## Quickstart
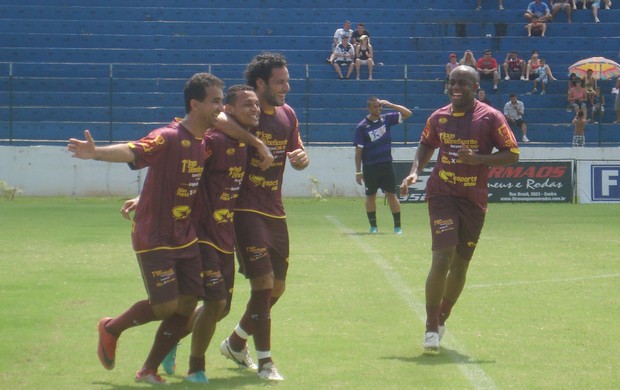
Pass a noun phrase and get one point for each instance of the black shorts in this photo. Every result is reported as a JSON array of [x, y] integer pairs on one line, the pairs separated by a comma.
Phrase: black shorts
[[379, 176]]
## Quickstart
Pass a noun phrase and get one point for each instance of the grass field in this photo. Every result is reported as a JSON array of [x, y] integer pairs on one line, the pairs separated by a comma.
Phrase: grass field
[[540, 309]]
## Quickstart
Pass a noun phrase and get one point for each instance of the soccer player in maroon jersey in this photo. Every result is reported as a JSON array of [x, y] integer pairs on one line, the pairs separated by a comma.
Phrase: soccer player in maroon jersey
[[212, 216], [260, 219], [466, 132], [163, 236]]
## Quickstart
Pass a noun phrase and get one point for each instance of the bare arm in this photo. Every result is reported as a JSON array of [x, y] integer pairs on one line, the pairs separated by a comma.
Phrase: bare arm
[[86, 150], [298, 159], [404, 111], [129, 206], [501, 157], [230, 127], [358, 165], [422, 156]]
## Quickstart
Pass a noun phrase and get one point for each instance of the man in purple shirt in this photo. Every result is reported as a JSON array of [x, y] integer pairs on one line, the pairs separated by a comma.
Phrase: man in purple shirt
[[466, 133], [373, 158]]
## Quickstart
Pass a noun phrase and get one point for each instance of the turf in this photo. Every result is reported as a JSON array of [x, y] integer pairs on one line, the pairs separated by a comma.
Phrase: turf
[[539, 311]]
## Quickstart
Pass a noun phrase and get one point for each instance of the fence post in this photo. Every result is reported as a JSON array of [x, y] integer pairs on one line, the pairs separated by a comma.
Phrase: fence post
[[10, 103], [111, 102]]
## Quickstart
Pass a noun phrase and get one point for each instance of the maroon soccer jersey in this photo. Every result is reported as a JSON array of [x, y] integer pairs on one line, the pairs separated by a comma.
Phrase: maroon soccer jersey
[[218, 191], [175, 160], [261, 190], [481, 129]]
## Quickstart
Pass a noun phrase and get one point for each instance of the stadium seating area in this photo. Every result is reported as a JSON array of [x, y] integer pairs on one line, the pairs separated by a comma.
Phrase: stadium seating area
[[118, 68]]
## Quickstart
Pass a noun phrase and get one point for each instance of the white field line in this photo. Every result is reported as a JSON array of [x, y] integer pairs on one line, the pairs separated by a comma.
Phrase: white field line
[[469, 368], [543, 281]]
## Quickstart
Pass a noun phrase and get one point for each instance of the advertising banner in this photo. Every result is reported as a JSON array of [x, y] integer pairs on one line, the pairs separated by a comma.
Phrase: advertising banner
[[526, 181], [598, 181]]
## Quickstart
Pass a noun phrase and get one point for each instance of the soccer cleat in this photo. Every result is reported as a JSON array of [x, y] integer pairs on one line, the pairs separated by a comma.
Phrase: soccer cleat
[[169, 364], [242, 358], [269, 372], [398, 231], [525, 139], [441, 331], [197, 377], [431, 342], [106, 350], [374, 230], [150, 376], [507, 78]]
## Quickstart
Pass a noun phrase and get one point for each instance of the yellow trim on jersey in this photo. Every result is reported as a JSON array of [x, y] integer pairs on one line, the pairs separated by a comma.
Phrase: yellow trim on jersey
[[515, 150], [261, 213], [215, 246], [169, 248]]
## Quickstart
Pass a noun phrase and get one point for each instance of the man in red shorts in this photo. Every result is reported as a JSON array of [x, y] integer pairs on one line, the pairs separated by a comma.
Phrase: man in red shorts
[[260, 219], [163, 236], [465, 131]]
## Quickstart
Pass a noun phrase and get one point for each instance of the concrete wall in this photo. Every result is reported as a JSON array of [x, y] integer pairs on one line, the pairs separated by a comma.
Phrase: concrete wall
[[50, 170]]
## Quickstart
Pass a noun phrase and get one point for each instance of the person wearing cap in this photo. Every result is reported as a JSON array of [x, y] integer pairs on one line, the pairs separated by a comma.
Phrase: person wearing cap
[[345, 29], [453, 63], [344, 55], [487, 68]]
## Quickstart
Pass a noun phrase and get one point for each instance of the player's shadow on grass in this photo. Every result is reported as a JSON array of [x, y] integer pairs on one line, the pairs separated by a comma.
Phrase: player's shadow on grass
[[445, 356], [238, 378]]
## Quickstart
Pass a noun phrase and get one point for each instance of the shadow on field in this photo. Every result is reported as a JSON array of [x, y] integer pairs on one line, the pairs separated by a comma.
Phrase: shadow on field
[[241, 379], [445, 356]]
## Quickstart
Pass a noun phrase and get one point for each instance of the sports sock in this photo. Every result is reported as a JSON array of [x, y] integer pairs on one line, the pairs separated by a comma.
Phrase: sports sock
[[396, 217], [259, 308], [372, 218], [196, 364], [432, 318], [239, 337], [139, 314], [166, 337], [444, 310], [273, 301]]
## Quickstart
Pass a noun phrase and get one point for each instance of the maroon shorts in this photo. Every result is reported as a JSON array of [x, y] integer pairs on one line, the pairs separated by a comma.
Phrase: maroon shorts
[[455, 221], [218, 274], [262, 245], [170, 273]]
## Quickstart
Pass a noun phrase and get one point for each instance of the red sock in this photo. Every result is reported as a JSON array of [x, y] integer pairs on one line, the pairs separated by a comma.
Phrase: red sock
[[167, 336], [139, 314], [444, 310], [432, 318]]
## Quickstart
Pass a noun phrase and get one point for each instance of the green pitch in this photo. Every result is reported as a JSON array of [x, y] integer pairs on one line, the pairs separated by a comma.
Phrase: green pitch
[[540, 309]]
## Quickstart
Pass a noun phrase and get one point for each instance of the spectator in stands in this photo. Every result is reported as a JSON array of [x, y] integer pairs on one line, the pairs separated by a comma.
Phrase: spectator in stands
[[357, 34], [449, 67], [540, 9], [363, 56], [616, 91], [513, 111], [482, 97], [532, 64], [544, 75], [501, 5], [572, 79], [344, 55], [579, 137], [536, 28], [558, 5], [345, 29], [589, 83], [595, 7], [487, 68], [577, 98], [581, 3], [597, 105], [468, 59], [514, 67]]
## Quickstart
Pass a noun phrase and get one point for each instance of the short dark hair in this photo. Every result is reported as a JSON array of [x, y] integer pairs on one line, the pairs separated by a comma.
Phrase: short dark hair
[[196, 88], [262, 65], [512, 95], [231, 94]]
